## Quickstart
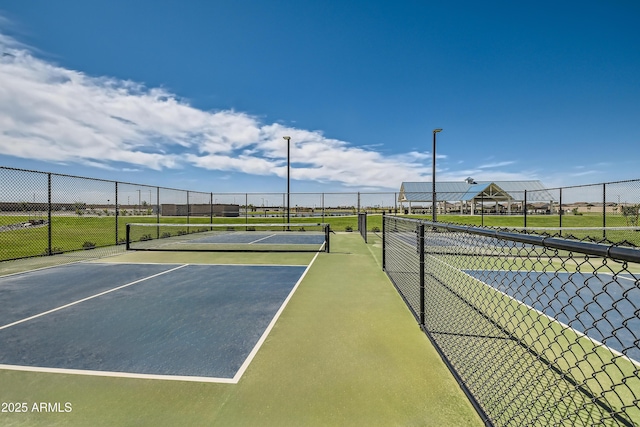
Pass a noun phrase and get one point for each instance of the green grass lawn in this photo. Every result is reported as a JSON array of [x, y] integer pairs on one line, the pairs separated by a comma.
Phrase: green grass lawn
[[568, 220], [550, 221], [72, 233]]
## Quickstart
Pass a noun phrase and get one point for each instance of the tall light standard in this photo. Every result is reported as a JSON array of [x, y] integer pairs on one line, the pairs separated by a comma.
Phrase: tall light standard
[[288, 138], [433, 178]]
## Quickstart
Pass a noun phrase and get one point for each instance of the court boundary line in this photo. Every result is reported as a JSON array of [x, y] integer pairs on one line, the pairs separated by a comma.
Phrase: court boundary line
[[267, 331], [551, 318], [195, 240], [263, 238], [62, 264], [200, 263], [41, 268], [62, 307], [56, 265], [114, 374]]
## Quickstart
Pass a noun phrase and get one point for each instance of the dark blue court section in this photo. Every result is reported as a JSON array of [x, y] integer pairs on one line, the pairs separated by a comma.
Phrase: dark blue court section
[[199, 320], [293, 239], [600, 306], [231, 238], [264, 239], [27, 294]]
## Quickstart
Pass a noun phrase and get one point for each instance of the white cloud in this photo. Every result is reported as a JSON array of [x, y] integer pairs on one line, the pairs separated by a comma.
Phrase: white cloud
[[54, 114], [496, 165], [583, 173]]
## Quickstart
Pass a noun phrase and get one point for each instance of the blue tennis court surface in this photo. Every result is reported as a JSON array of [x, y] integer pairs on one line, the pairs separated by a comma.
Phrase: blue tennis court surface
[[593, 304], [264, 239], [200, 321]]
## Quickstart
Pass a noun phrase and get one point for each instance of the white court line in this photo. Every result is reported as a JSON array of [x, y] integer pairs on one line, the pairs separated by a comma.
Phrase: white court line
[[264, 238], [205, 264], [46, 267], [631, 279], [88, 298], [247, 362], [234, 380], [117, 374], [549, 317], [97, 259]]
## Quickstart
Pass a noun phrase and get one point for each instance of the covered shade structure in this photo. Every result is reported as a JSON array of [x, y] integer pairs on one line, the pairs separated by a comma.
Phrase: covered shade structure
[[469, 197]]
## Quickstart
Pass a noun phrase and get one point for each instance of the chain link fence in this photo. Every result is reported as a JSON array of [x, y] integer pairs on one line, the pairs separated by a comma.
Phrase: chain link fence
[[537, 330], [46, 213]]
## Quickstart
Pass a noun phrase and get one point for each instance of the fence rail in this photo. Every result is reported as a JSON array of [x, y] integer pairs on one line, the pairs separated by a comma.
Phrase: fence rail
[[538, 330]]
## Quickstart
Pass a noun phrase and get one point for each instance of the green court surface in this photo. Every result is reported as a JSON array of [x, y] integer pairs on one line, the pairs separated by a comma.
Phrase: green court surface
[[345, 351]]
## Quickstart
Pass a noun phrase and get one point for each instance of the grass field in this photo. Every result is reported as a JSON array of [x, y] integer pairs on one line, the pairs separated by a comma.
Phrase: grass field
[[72, 232], [552, 221]]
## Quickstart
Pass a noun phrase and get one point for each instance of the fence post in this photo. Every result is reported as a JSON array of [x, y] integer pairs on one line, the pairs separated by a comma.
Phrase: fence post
[[116, 183], [525, 208], [158, 205], [604, 210], [421, 274], [560, 212], [395, 203], [49, 207], [158, 211], [211, 208], [128, 236], [384, 252]]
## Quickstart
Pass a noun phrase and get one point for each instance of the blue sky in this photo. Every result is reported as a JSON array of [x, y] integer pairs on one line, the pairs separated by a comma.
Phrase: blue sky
[[198, 94]]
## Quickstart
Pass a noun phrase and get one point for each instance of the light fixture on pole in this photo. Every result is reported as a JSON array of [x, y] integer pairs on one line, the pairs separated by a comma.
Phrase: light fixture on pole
[[288, 138], [433, 178]]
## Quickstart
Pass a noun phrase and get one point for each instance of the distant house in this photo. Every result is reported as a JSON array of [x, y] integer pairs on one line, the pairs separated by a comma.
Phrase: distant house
[[470, 197]]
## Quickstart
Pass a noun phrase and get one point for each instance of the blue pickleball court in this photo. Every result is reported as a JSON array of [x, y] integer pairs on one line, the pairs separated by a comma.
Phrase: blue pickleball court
[[178, 321], [594, 304]]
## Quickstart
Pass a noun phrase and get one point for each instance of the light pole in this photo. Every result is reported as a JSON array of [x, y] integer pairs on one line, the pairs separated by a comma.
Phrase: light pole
[[433, 178], [288, 138]]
